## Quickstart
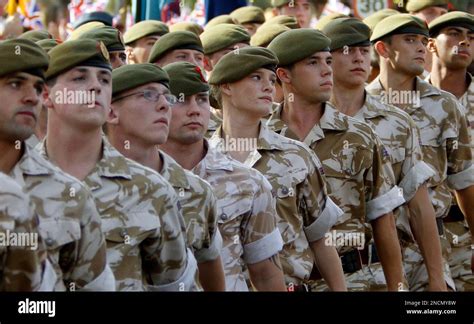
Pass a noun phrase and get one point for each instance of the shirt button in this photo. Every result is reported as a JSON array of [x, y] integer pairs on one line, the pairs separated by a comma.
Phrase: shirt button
[[284, 190], [49, 241], [224, 216]]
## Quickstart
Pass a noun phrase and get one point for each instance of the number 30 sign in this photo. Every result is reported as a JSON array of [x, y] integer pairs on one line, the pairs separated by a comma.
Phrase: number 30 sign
[[364, 8]]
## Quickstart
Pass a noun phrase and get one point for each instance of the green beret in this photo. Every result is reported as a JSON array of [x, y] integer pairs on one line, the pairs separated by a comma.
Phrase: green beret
[[279, 3], [145, 28], [222, 19], [288, 21], [327, 19], [85, 28], [186, 79], [187, 26], [24, 56], [453, 18], [399, 24], [36, 35], [222, 36], [47, 44], [347, 32], [266, 33], [173, 41], [374, 18], [234, 66], [417, 5], [110, 36], [248, 14], [297, 44], [132, 76], [79, 52]]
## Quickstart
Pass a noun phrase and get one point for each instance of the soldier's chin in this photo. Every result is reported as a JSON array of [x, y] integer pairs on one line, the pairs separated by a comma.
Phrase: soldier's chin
[[418, 70], [17, 133]]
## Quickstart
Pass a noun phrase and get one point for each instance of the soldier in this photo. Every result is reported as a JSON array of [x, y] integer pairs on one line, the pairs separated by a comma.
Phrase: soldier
[[68, 218], [451, 42], [301, 9], [218, 41], [113, 40], [140, 38], [350, 50], [427, 10], [245, 205], [141, 111], [221, 19], [21, 266], [400, 41], [371, 21], [266, 34], [42, 116], [36, 35], [359, 176], [187, 26], [177, 47], [250, 17], [141, 220], [243, 83], [285, 20]]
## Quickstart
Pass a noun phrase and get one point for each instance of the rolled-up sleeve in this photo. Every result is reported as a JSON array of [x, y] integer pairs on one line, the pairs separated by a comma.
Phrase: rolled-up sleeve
[[384, 203], [263, 248], [325, 221]]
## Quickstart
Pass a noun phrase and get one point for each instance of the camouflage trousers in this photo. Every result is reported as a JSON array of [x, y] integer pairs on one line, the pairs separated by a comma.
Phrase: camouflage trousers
[[458, 250], [414, 269]]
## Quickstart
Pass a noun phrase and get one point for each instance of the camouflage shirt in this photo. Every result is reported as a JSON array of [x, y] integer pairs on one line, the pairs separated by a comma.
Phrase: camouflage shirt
[[305, 212], [199, 208], [246, 215], [20, 260], [214, 122], [69, 223], [142, 223], [467, 100], [357, 169], [445, 143], [400, 135]]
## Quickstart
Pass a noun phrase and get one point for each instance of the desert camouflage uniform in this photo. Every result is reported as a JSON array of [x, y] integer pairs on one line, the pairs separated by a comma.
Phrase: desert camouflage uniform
[[69, 224], [142, 223], [20, 266], [459, 258], [359, 177], [400, 135], [199, 209], [247, 215], [214, 122], [305, 212], [444, 135]]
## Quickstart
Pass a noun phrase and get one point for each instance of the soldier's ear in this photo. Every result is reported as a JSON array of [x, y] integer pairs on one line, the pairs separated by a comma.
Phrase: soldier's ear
[[47, 98], [226, 89], [130, 54], [207, 63], [431, 46], [382, 49], [284, 75], [114, 115]]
